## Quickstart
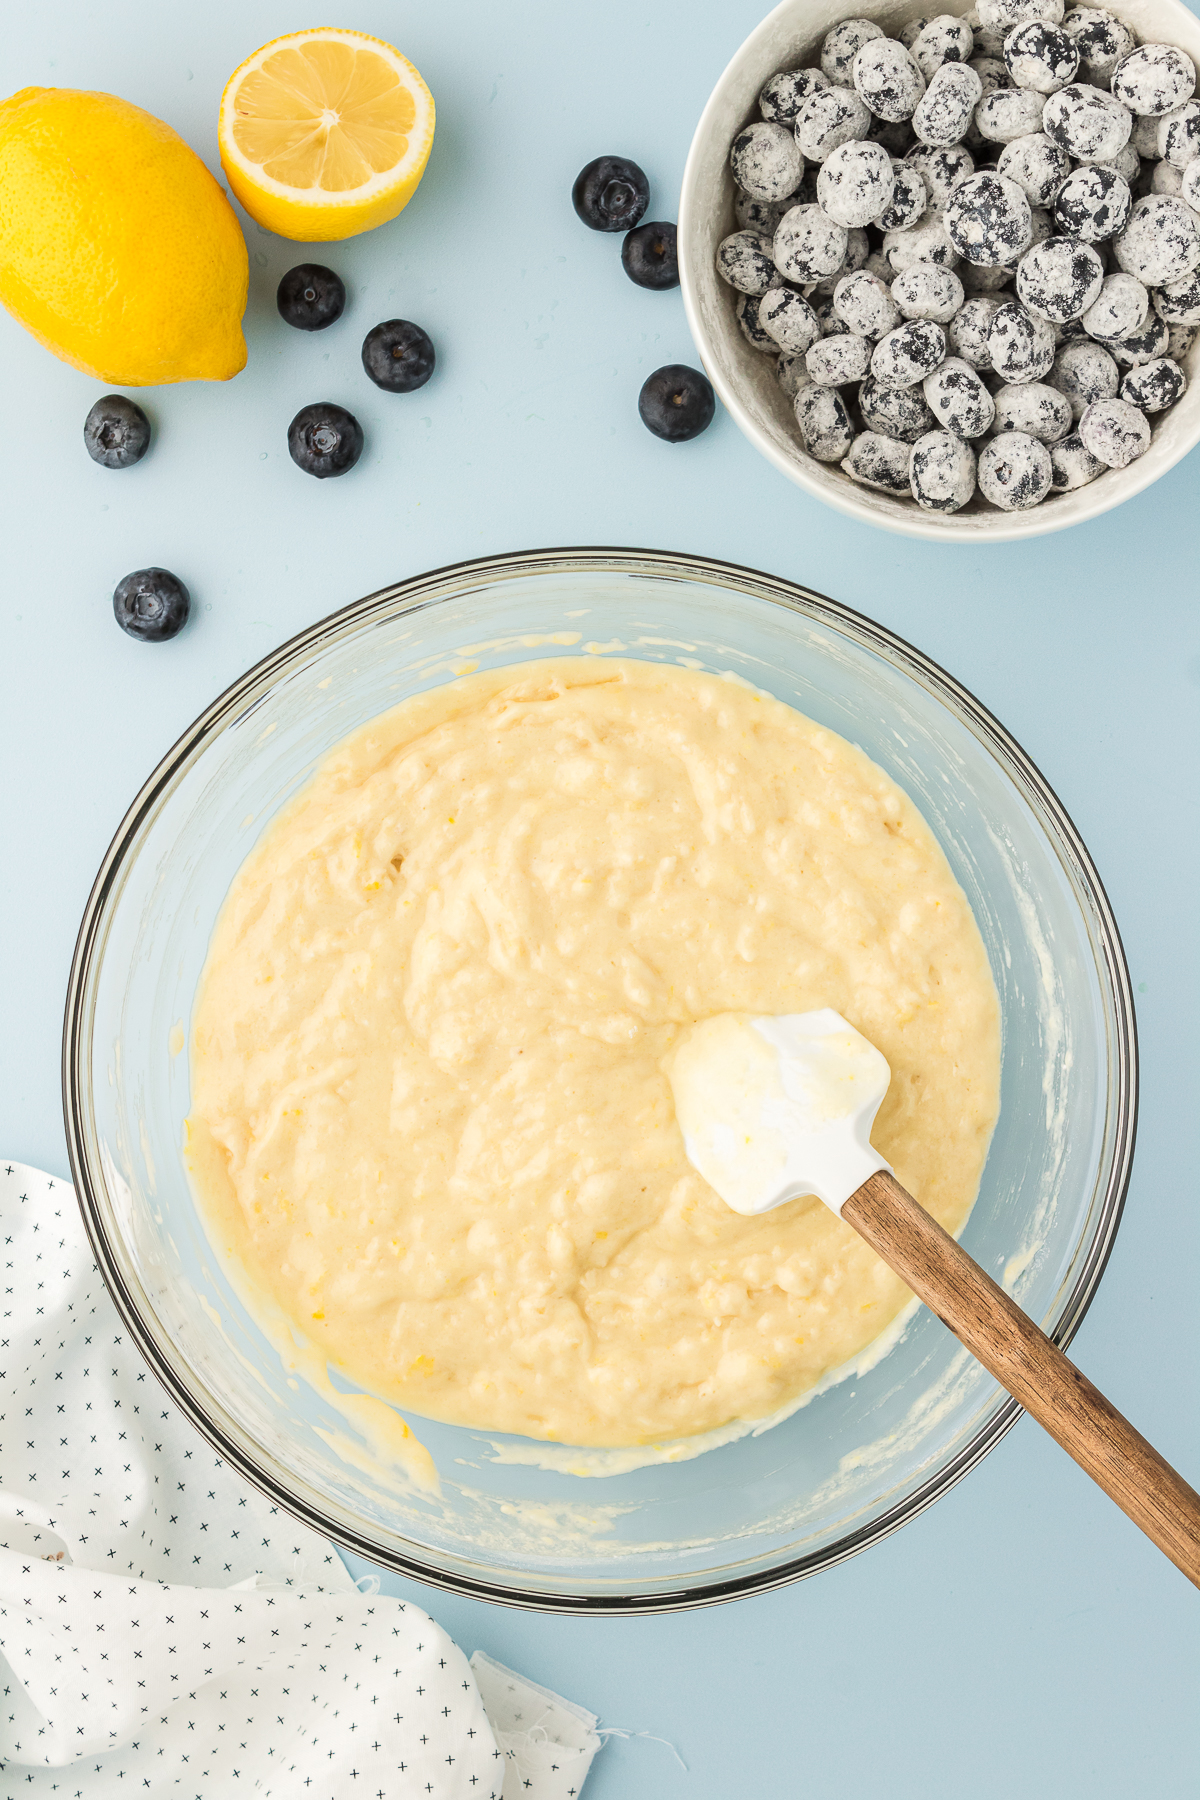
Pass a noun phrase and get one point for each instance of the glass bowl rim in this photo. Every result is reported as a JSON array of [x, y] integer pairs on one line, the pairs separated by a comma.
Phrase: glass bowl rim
[[410, 595]]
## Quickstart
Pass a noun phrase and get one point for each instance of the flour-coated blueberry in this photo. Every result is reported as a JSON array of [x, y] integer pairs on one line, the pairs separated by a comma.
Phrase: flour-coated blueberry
[[785, 315], [1033, 407], [943, 39], [887, 80], [879, 462], [908, 202], [1165, 178], [1189, 187], [1144, 137], [1014, 471], [927, 241], [1037, 164], [941, 472], [946, 107], [1155, 386], [1041, 57], [855, 183], [895, 412], [967, 332], [1180, 339], [1059, 279], [1008, 113], [992, 71], [752, 330], [1154, 79], [927, 292], [744, 260], [1178, 302], [1161, 242], [909, 353], [784, 94], [824, 423], [989, 39], [941, 167], [1179, 134], [865, 305], [1072, 464], [760, 216], [808, 245], [1089, 124], [1003, 15], [1021, 346], [829, 117], [1119, 309], [1126, 163], [837, 361], [1093, 203], [1115, 432], [1084, 372], [791, 372], [766, 161], [1041, 225], [857, 250], [988, 220], [842, 44], [958, 399], [895, 136]]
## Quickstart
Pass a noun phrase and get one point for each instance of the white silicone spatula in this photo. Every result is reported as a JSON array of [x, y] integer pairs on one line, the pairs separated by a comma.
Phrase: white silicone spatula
[[774, 1108]]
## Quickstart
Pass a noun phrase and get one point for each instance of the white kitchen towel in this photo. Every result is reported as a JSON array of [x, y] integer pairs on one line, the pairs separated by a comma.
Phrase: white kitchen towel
[[165, 1630]]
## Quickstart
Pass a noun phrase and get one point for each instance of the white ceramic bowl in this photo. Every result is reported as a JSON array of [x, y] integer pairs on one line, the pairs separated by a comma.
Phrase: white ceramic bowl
[[744, 378]]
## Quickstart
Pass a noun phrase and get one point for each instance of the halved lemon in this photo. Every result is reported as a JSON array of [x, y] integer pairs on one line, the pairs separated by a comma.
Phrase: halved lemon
[[325, 133]]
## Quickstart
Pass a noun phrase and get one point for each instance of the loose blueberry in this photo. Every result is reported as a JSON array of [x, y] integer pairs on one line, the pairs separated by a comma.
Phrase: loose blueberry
[[649, 257], [116, 432], [151, 605], [398, 356], [325, 439], [310, 297], [611, 194], [676, 403]]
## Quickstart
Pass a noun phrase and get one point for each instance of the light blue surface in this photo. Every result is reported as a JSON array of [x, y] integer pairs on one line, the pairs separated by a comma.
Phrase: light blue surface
[[1021, 1637]]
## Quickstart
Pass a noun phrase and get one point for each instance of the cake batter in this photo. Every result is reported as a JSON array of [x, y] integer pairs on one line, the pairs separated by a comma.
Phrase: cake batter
[[429, 1111]]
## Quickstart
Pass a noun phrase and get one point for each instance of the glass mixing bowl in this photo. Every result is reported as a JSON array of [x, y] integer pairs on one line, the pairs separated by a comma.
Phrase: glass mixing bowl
[[863, 1455]]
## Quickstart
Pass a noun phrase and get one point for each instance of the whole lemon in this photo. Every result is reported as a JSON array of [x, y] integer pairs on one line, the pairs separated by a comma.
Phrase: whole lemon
[[118, 250]]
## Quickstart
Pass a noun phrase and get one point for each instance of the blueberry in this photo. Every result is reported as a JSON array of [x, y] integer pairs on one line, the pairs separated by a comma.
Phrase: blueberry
[[648, 256], [611, 194], [151, 605], [676, 403], [310, 297], [116, 432], [324, 439], [398, 356]]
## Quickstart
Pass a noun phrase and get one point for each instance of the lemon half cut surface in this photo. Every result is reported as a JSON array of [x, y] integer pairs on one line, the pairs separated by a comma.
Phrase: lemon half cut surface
[[325, 133]]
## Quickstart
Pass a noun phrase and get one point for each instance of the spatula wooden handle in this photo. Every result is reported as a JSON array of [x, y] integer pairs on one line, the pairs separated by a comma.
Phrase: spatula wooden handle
[[1022, 1358]]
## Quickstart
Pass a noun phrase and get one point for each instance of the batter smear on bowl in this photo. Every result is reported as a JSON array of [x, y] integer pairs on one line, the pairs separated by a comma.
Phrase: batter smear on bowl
[[429, 1109]]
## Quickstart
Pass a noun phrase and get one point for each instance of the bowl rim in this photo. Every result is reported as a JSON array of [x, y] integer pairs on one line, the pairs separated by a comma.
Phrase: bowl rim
[[412, 594], [854, 500]]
